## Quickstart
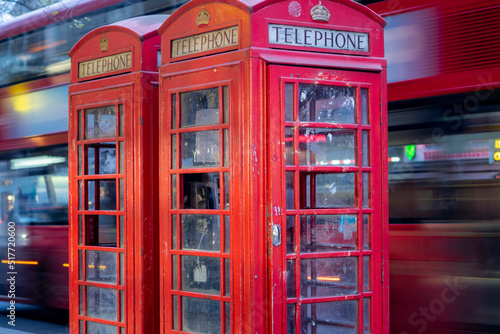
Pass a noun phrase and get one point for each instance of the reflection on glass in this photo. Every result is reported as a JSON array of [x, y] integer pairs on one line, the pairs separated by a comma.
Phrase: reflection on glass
[[201, 274], [290, 278], [326, 277], [201, 232], [101, 303], [327, 104], [289, 102], [174, 151], [80, 299], [226, 190], [79, 124], [80, 230], [174, 231], [174, 272], [327, 147], [100, 230], [174, 191], [227, 277], [331, 317], [201, 191], [122, 229], [80, 164], [101, 158], [329, 190], [122, 306], [122, 193], [200, 149], [200, 107], [122, 154], [328, 233], [100, 266], [226, 148], [228, 318], [289, 146], [100, 122], [101, 195], [226, 235], [201, 315]]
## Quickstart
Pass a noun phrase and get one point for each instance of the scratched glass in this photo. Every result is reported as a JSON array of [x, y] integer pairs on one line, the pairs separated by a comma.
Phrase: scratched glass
[[201, 315], [327, 104], [102, 303], [100, 230], [100, 266], [200, 107], [330, 317], [101, 158], [201, 274], [100, 122], [94, 327], [329, 190], [327, 147], [200, 149], [328, 233]]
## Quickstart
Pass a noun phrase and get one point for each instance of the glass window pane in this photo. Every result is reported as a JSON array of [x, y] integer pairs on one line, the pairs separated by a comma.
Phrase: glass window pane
[[101, 266], [366, 316], [200, 149], [326, 277], [201, 191], [174, 151], [228, 317], [174, 191], [174, 272], [330, 190], [174, 111], [290, 311], [327, 104], [122, 306], [366, 274], [174, 313], [122, 193], [80, 265], [100, 230], [225, 92], [122, 154], [366, 232], [332, 317], [226, 192], [201, 274], [80, 124], [94, 327], [227, 235], [201, 232], [122, 268], [366, 149], [226, 148], [364, 106], [100, 122], [290, 234], [101, 303], [201, 315], [290, 190], [366, 190], [227, 277], [80, 299], [121, 125], [327, 147], [80, 230], [80, 161], [328, 233], [174, 231], [289, 146], [290, 278], [289, 102], [101, 195], [122, 229], [200, 107]]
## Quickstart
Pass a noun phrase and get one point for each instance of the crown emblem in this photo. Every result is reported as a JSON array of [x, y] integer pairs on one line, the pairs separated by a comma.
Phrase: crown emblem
[[320, 13], [203, 17], [104, 43]]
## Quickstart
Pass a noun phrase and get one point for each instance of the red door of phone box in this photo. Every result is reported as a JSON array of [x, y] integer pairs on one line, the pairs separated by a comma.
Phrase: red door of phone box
[[113, 181]]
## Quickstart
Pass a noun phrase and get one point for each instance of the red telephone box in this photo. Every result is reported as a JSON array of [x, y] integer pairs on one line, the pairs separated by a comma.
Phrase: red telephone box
[[273, 184], [113, 187]]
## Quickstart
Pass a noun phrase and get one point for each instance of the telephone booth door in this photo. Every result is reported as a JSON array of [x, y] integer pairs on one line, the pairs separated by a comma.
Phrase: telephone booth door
[[200, 258], [323, 186]]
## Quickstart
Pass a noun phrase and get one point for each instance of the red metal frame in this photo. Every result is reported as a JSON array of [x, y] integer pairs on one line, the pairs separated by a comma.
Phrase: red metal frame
[[256, 149]]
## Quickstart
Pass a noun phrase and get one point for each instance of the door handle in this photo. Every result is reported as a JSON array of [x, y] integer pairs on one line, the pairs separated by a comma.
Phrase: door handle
[[276, 235]]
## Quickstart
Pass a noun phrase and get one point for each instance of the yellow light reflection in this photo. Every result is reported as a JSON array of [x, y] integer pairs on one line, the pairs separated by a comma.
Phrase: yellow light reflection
[[33, 263], [65, 264], [100, 267], [326, 279]]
